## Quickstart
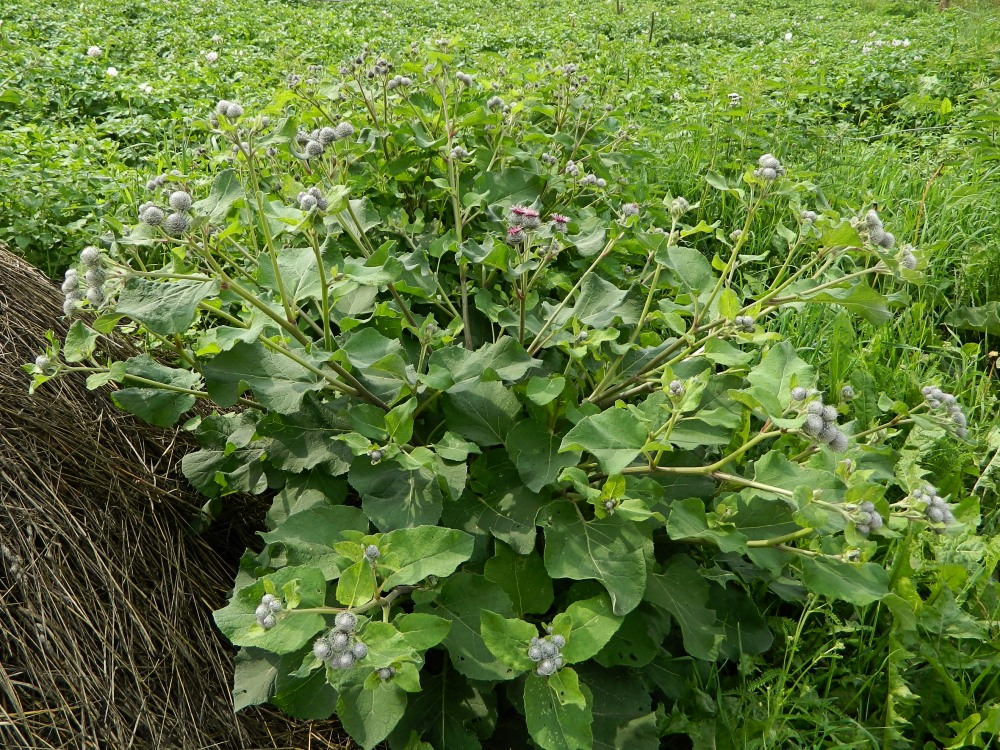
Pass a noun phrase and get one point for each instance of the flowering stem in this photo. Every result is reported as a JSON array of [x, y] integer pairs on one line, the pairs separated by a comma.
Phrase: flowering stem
[[538, 342], [779, 541], [378, 601], [324, 290]]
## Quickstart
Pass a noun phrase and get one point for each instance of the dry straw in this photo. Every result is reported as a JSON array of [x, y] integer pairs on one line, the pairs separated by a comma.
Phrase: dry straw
[[106, 638]]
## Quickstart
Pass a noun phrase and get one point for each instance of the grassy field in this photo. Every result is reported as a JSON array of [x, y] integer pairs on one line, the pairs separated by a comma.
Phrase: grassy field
[[879, 103]]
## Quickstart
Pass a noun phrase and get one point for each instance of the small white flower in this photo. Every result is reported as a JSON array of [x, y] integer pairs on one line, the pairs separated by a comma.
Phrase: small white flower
[[732, 16], [217, 39], [212, 56], [112, 72], [788, 36], [676, 96], [145, 88], [94, 52]]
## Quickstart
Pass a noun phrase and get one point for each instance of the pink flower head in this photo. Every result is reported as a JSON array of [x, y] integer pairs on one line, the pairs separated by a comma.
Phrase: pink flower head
[[515, 234], [559, 222]]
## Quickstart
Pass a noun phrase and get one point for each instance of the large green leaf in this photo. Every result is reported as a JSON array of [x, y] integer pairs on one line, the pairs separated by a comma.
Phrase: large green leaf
[[292, 631], [463, 599], [984, 318], [370, 715], [305, 439], [449, 713], [156, 405], [623, 716], [558, 712], [413, 554], [859, 298], [164, 307], [310, 698], [780, 370], [535, 452], [499, 506], [226, 190], [682, 592], [311, 533], [600, 302], [455, 368], [609, 550], [277, 382], [484, 413], [394, 498], [615, 437], [857, 583], [587, 626], [523, 577], [508, 640]]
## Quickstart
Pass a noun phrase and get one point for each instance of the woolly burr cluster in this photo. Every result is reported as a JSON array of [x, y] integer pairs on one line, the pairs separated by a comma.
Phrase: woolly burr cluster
[[821, 424], [744, 323], [340, 648], [877, 233], [546, 653], [938, 400], [769, 168], [312, 198], [265, 613], [229, 110], [868, 519], [937, 511]]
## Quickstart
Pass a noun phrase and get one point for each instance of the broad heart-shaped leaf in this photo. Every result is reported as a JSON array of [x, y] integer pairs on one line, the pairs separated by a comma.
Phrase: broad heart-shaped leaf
[[311, 533], [690, 270], [497, 505], [456, 369], [379, 362], [780, 370], [535, 452], [156, 405], [688, 520], [416, 553], [587, 626], [299, 273], [163, 307], [523, 577], [508, 640], [394, 498], [857, 583], [254, 674], [215, 473], [556, 718], [682, 592], [984, 318], [449, 713], [859, 298], [311, 698], [600, 302], [623, 715], [276, 381], [609, 550], [386, 645], [356, 585], [226, 190], [615, 437], [422, 631], [484, 413], [462, 600], [305, 439], [292, 631], [79, 342], [370, 715], [746, 631]]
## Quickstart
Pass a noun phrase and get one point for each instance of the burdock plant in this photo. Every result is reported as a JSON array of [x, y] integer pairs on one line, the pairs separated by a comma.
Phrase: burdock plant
[[488, 394]]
